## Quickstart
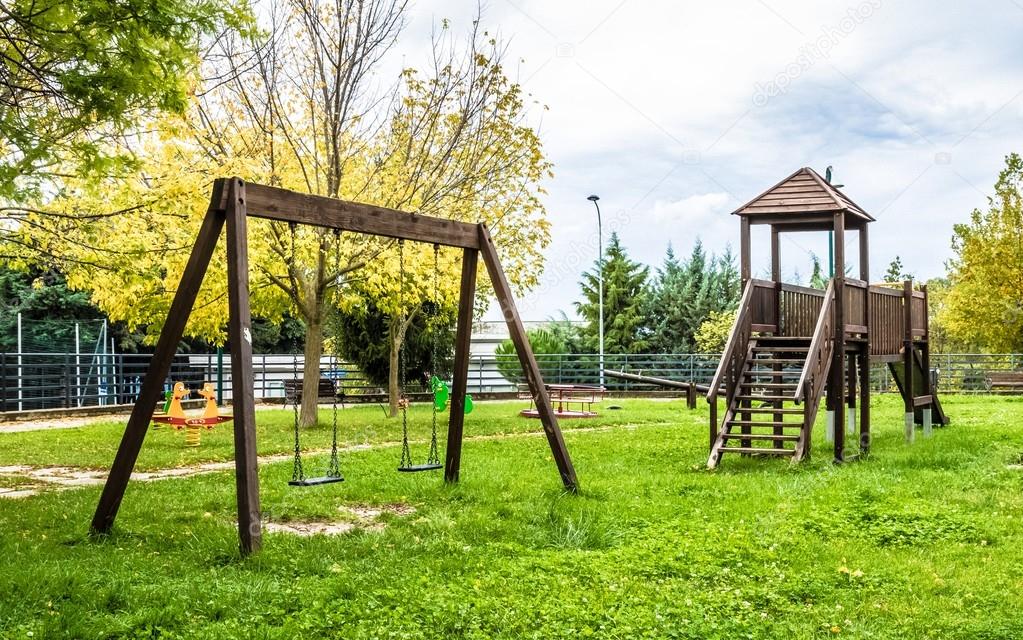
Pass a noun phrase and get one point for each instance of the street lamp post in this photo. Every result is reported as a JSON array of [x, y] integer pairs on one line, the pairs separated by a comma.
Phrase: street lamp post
[[600, 285]]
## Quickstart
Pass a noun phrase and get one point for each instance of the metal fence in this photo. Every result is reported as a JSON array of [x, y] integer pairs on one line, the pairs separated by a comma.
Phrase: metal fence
[[48, 380]]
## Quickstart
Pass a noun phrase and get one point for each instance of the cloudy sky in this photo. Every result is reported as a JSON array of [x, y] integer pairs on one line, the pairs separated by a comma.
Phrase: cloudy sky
[[676, 113]]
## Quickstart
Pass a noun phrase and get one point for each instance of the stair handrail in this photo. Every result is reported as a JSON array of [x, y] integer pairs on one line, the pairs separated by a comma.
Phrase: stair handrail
[[735, 348], [818, 359]]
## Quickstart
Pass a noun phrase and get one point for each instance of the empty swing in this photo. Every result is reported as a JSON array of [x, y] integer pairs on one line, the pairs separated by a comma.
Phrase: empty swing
[[298, 477], [433, 458]]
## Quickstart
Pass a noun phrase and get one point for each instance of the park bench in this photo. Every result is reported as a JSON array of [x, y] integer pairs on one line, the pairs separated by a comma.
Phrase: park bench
[[325, 390], [1005, 382]]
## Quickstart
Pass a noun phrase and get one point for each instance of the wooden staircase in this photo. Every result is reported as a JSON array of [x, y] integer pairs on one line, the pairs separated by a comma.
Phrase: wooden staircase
[[763, 417], [773, 386]]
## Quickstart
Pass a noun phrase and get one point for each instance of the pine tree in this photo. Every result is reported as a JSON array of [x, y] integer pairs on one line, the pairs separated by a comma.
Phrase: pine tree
[[624, 297], [896, 272]]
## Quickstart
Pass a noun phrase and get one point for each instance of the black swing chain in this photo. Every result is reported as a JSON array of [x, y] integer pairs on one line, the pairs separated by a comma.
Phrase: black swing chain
[[406, 455], [334, 470], [434, 457], [297, 472]]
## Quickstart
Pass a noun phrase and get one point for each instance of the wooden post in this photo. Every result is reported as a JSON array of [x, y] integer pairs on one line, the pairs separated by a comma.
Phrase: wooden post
[[745, 264], [838, 398], [159, 366], [865, 400], [239, 332], [907, 359], [528, 361], [865, 352], [463, 336]]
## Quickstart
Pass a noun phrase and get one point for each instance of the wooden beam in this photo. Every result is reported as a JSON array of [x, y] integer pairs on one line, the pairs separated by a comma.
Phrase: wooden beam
[[159, 366], [528, 361], [463, 337], [775, 255], [838, 361], [239, 332], [745, 269], [302, 208]]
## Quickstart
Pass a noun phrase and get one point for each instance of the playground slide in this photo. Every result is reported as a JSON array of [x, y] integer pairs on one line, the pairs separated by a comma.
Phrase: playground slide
[[921, 387]]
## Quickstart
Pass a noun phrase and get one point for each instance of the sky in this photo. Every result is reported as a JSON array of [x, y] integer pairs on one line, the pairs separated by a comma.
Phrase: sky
[[677, 113]]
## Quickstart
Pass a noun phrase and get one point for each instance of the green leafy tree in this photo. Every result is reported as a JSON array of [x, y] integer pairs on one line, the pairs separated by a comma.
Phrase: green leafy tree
[[76, 74], [685, 294], [624, 298], [713, 333], [984, 305], [361, 333], [542, 341], [896, 272]]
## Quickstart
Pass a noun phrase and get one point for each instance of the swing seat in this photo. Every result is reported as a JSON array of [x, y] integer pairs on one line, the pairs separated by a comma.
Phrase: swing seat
[[318, 480], [415, 468]]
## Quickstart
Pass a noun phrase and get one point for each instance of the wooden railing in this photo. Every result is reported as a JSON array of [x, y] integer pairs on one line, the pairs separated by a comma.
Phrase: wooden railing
[[855, 299], [754, 314], [800, 307], [888, 317], [764, 306], [818, 358]]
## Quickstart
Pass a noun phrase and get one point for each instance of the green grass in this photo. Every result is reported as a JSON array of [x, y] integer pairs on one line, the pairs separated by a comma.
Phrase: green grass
[[920, 541], [94, 446]]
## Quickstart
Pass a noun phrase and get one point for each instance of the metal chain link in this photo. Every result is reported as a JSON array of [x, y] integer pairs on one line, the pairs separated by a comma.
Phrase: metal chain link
[[406, 455], [297, 473], [334, 469], [434, 457]]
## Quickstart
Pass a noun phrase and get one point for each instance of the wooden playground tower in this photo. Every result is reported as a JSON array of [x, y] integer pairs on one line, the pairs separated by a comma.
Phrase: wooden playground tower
[[791, 345]]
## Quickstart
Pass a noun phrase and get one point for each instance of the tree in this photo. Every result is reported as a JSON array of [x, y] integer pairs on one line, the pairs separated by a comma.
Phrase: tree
[[76, 74], [896, 272], [984, 304], [362, 335], [624, 296], [684, 295], [302, 109], [713, 334], [542, 341]]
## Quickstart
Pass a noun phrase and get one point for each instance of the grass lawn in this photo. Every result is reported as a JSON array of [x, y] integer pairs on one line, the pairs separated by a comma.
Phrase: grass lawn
[[920, 541]]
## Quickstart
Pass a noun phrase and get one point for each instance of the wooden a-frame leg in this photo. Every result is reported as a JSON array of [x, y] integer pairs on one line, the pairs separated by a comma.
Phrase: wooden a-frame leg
[[239, 331], [463, 336], [528, 361], [159, 366]]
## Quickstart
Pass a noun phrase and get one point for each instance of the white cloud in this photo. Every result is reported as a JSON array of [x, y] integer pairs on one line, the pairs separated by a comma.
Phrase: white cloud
[[652, 107], [695, 209]]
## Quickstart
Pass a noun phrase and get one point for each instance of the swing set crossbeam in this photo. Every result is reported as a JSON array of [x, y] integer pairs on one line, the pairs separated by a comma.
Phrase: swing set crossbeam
[[231, 204]]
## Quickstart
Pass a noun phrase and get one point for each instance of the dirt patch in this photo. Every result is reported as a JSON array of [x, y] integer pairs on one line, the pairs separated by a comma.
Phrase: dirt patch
[[367, 518]]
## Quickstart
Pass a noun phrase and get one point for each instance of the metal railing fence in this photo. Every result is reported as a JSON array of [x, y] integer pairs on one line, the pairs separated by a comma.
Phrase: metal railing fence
[[60, 380]]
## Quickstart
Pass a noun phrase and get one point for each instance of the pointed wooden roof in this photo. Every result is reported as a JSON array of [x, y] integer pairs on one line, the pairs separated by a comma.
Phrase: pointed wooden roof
[[803, 194]]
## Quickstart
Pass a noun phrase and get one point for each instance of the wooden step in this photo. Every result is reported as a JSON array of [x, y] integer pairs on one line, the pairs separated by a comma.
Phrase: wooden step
[[790, 437], [792, 349], [763, 423], [766, 361], [771, 410], [770, 374], [769, 385], [806, 339], [766, 451], [766, 398]]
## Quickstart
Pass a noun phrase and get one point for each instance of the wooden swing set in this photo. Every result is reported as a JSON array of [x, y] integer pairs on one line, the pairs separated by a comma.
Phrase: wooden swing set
[[232, 203]]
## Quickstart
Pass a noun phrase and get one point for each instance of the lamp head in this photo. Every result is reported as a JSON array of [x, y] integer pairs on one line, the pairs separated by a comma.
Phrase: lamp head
[[593, 198]]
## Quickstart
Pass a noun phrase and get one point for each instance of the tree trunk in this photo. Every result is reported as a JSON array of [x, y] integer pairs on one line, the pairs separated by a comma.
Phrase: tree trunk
[[392, 375], [311, 372]]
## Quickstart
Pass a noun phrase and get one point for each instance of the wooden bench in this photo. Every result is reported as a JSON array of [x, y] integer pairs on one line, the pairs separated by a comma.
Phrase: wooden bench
[[325, 390], [1005, 381]]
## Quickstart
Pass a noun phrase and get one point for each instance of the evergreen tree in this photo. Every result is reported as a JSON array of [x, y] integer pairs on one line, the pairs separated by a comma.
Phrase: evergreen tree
[[624, 296], [896, 272], [684, 295]]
